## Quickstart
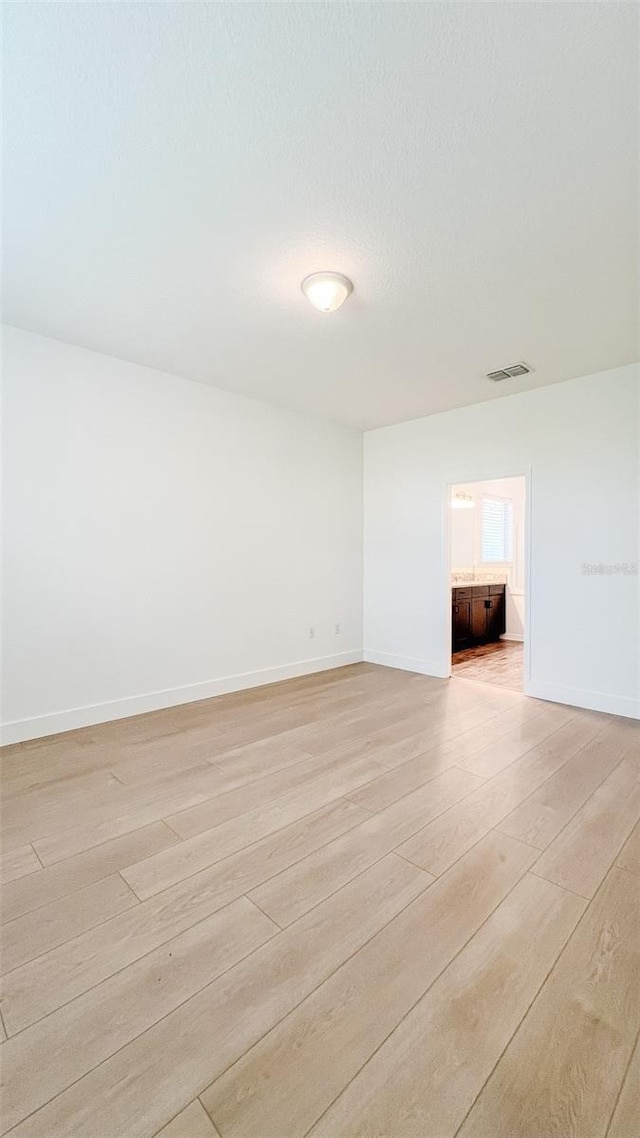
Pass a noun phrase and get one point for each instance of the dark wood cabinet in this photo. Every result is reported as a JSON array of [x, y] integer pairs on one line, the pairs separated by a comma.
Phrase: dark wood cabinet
[[496, 617], [478, 614], [462, 623], [479, 619]]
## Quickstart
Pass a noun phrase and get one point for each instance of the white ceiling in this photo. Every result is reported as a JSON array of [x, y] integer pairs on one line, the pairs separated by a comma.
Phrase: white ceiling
[[174, 169]]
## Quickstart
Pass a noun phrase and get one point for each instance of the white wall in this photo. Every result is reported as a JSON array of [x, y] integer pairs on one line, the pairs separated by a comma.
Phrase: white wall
[[579, 441], [164, 538], [166, 541], [463, 536]]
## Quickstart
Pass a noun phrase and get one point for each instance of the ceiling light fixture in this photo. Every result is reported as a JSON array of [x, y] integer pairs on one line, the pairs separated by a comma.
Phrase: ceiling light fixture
[[326, 291]]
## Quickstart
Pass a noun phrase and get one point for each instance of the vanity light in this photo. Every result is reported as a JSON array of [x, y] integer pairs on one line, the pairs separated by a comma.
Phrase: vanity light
[[461, 501], [326, 291]]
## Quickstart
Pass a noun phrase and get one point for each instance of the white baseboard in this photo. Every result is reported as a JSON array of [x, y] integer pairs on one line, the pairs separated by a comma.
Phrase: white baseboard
[[512, 636], [591, 700], [405, 663], [554, 693], [21, 730], [52, 724]]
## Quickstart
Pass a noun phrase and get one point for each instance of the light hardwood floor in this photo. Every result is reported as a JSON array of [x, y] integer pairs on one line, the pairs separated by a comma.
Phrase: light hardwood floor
[[362, 903]]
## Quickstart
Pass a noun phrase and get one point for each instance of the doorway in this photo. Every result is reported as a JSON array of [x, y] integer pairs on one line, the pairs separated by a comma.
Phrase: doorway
[[487, 535]]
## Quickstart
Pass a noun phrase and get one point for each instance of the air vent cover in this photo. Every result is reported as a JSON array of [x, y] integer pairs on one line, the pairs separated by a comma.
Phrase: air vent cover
[[508, 372]]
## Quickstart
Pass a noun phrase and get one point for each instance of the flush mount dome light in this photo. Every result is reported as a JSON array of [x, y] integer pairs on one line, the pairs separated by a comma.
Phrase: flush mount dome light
[[326, 291]]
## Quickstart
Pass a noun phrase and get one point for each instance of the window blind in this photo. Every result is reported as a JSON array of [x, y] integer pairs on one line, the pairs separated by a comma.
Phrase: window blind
[[497, 530]]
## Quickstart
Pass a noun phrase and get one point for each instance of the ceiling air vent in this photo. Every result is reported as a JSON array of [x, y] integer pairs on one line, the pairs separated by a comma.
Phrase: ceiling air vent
[[508, 372]]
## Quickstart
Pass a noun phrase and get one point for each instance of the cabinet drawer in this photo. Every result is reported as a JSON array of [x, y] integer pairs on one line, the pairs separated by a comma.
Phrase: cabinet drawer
[[462, 594], [481, 590], [496, 590]]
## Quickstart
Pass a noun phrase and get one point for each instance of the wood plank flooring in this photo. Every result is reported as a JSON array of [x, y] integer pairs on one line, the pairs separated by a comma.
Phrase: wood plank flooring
[[501, 663], [360, 904]]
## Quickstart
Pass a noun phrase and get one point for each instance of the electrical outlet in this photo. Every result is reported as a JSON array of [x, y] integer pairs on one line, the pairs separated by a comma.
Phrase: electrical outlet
[[312, 632], [337, 628]]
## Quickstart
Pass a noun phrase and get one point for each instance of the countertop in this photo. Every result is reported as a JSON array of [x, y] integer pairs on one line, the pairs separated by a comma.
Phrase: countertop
[[474, 584]]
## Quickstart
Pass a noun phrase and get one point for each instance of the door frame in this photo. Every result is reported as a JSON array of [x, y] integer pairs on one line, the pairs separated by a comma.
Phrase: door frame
[[484, 476]]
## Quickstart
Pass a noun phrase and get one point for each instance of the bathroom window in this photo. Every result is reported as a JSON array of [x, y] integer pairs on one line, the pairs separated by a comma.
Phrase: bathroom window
[[497, 530]]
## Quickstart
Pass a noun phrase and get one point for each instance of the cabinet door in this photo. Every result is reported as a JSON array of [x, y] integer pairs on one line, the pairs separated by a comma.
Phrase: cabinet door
[[461, 624], [479, 613], [496, 617]]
